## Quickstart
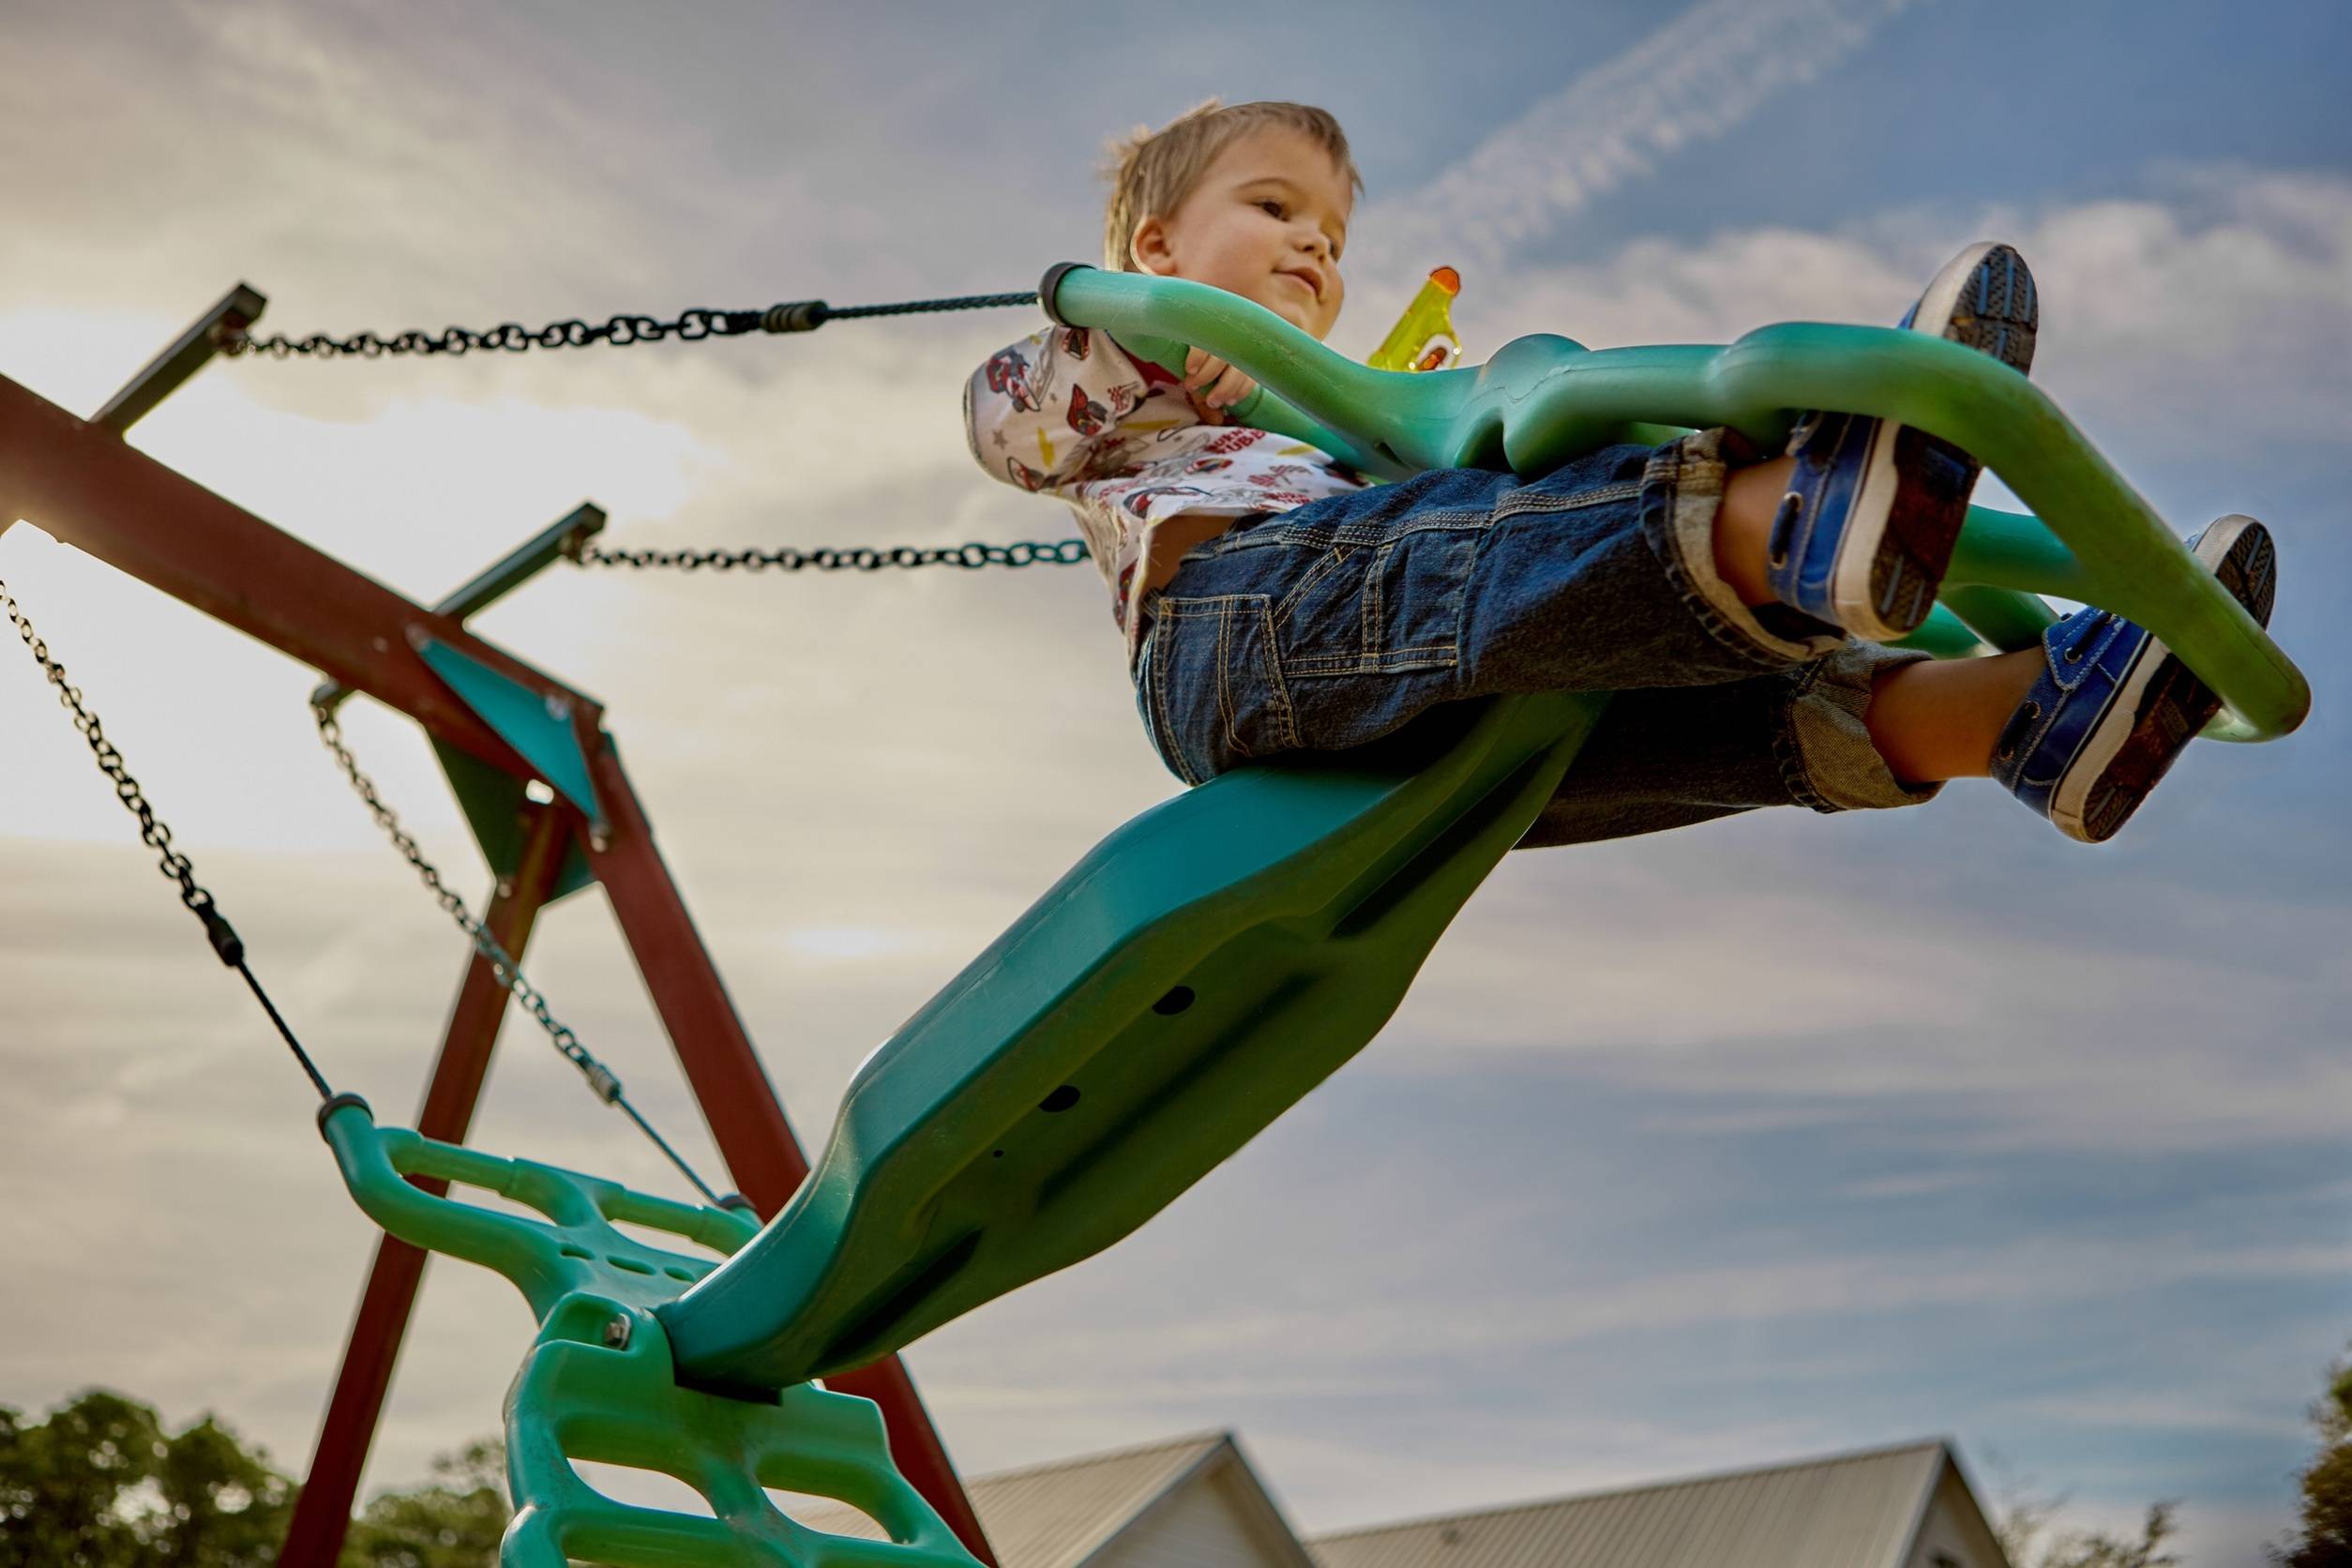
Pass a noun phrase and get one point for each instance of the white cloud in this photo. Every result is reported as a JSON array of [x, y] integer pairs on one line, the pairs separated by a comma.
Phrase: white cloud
[[2194, 322]]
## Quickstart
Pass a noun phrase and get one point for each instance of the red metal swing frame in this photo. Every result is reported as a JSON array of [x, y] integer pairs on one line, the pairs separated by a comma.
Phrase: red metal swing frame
[[80, 482]]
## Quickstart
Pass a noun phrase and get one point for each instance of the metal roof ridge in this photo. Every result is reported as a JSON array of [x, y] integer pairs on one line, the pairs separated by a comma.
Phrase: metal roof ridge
[[1495, 1510], [1109, 1456]]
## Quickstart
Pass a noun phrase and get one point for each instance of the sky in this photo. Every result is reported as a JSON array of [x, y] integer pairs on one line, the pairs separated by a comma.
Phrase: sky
[[1774, 1136]]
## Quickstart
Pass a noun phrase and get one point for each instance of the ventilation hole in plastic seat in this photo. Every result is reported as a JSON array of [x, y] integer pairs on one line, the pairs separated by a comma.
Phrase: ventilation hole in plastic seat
[[827, 1516], [642, 1489]]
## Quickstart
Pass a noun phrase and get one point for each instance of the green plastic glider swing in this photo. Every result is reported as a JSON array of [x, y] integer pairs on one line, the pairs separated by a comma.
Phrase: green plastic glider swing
[[1202, 968]]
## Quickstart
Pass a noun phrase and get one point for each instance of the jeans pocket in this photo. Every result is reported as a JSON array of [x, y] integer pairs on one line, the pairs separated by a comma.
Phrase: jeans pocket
[[1391, 603], [1216, 689]]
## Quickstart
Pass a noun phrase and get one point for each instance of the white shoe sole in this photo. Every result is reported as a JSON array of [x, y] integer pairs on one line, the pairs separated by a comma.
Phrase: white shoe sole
[[1856, 608], [2071, 804]]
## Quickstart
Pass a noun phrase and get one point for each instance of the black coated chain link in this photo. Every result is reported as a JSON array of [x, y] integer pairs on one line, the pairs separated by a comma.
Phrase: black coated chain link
[[175, 865], [502, 967], [691, 327], [1026, 553]]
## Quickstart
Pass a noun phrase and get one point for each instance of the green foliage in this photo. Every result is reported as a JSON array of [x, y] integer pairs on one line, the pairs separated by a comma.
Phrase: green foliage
[[2101, 1550], [2326, 1523], [2025, 1520], [100, 1485], [456, 1522]]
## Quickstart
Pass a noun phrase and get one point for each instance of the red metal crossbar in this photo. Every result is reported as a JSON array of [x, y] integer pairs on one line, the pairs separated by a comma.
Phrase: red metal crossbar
[[80, 483]]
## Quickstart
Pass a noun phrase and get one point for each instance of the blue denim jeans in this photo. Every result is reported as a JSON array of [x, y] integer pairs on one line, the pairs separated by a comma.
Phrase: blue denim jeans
[[1332, 624]]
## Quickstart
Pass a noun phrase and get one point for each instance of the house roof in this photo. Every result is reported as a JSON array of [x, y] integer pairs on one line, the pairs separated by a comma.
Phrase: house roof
[[1057, 1516], [1861, 1510], [1846, 1510]]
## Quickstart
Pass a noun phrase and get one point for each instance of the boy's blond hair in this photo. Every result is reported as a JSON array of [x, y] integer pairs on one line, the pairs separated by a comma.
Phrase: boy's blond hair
[[1151, 172]]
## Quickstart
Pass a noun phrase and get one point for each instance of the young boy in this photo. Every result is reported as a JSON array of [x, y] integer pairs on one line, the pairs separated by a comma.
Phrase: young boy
[[1273, 600]]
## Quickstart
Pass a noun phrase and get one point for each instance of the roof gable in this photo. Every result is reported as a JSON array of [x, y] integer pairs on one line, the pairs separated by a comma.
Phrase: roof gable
[[1057, 1516]]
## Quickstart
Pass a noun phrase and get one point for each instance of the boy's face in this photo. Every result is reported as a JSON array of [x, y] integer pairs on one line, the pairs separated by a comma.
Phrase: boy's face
[[1267, 221]]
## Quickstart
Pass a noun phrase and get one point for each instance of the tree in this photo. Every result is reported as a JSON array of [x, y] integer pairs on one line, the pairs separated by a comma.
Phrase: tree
[[2327, 1524], [100, 1485], [2025, 1517], [456, 1522], [2099, 1550]]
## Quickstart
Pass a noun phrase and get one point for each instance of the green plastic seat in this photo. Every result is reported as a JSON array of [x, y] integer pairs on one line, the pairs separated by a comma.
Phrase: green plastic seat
[[1199, 971]]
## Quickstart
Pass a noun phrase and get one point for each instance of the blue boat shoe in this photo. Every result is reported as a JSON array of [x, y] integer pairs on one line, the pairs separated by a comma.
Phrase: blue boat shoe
[[2114, 707], [1863, 535]]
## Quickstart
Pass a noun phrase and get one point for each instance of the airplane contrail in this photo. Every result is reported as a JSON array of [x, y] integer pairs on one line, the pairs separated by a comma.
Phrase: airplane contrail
[[1691, 81]]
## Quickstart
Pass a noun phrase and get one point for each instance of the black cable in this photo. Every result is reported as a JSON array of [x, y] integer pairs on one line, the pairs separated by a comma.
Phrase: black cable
[[175, 865]]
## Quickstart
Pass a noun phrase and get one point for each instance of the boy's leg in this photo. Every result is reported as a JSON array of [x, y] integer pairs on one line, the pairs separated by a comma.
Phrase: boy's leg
[[2080, 728], [1671, 757], [1621, 587], [1333, 624]]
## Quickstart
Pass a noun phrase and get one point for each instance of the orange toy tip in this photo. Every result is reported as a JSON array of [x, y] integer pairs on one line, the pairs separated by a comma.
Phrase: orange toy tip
[[1447, 279]]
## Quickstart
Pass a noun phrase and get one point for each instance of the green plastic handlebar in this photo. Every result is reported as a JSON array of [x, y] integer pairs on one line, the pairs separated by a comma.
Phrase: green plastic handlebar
[[573, 1248], [1542, 401], [600, 1386]]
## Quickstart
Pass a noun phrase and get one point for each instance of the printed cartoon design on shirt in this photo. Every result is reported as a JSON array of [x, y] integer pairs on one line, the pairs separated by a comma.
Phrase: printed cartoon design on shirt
[[1127, 451], [1137, 504], [1087, 417], [1008, 374]]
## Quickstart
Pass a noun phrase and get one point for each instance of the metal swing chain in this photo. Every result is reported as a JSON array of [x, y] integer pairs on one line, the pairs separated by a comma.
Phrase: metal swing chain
[[175, 865], [691, 327], [502, 967], [1026, 553]]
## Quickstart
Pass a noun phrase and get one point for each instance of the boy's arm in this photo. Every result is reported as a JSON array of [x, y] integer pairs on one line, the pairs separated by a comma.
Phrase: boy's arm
[[1043, 411]]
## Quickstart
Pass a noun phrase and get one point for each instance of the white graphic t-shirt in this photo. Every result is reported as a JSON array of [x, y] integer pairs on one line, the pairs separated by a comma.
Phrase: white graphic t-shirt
[[1068, 412]]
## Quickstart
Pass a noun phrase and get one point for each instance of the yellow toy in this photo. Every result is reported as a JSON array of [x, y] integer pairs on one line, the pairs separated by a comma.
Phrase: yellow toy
[[1423, 338]]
